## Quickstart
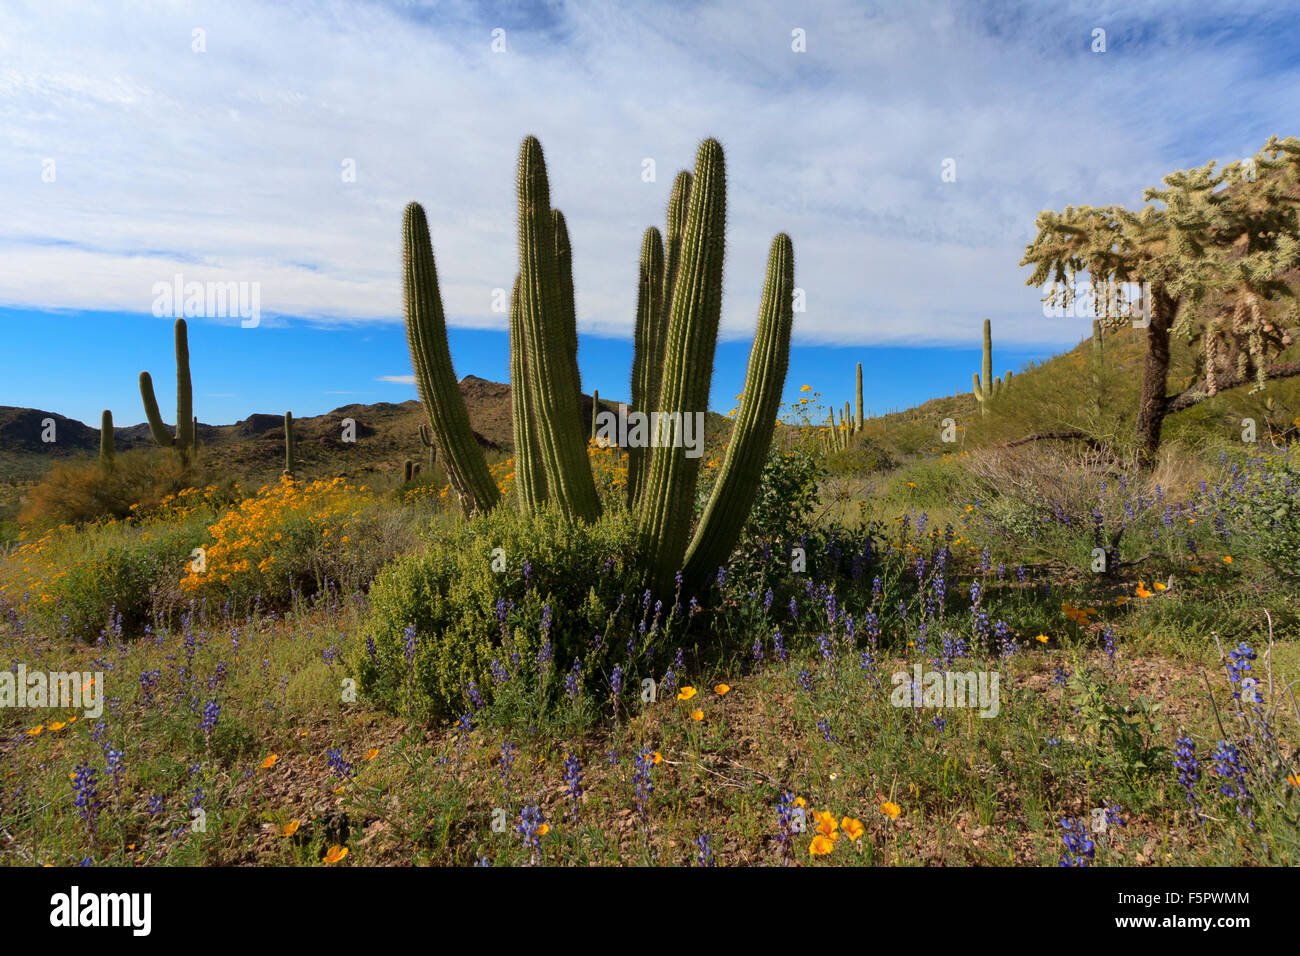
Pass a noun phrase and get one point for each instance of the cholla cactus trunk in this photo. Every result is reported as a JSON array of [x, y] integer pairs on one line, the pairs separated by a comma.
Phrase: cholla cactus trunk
[[106, 449], [733, 495], [530, 479], [667, 505], [553, 390], [290, 445], [1097, 359], [426, 335], [858, 420], [647, 355], [183, 441]]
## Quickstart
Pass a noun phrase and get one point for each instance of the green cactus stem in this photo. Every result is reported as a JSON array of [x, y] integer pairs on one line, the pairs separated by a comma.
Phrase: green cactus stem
[[530, 478], [692, 335], [733, 494], [426, 336], [858, 420], [550, 366], [426, 439]]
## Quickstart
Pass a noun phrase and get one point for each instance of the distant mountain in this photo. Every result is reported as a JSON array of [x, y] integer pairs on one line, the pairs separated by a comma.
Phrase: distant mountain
[[253, 448]]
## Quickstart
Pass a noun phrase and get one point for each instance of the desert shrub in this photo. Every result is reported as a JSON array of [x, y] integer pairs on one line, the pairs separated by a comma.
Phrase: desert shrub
[[511, 599], [117, 574], [1255, 506], [296, 538], [138, 482], [863, 457]]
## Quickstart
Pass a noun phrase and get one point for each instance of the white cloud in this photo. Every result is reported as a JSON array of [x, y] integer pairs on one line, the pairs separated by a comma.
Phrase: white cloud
[[397, 379], [225, 165]]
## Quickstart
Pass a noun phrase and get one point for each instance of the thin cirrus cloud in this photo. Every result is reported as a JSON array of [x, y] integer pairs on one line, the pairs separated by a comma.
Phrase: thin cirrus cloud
[[226, 165]]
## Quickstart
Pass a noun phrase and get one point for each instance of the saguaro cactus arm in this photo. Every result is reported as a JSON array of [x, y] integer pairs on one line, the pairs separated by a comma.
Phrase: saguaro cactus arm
[[426, 336], [733, 495], [647, 355], [157, 427]]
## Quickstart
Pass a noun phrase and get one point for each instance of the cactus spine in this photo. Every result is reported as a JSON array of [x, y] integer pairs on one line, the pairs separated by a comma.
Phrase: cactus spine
[[290, 445], [106, 450], [426, 336], [733, 494], [183, 441]]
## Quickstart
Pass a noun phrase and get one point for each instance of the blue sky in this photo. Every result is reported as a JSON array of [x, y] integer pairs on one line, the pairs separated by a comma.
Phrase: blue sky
[[128, 156]]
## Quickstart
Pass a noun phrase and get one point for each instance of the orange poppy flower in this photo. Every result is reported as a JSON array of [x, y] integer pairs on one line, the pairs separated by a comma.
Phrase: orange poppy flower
[[290, 828], [336, 853], [686, 693], [891, 809], [852, 828], [269, 762], [821, 845]]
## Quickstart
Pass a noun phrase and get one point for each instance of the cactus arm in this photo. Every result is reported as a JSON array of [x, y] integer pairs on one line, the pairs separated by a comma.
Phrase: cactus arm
[[530, 479], [564, 273], [553, 390], [426, 336], [733, 495], [647, 356], [665, 515], [157, 427]]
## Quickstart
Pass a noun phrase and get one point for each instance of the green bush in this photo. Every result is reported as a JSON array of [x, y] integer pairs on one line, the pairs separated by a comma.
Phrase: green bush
[[1258, 499], [462, 614], [75, 580]]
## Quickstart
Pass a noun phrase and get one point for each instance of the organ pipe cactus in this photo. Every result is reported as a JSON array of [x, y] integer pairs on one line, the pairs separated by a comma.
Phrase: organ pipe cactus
[[106, 450], [183, 441], [290, 445], [426, 336], [679, 307]]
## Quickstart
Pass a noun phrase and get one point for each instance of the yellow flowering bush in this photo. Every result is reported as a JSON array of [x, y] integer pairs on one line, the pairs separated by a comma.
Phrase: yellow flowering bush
[[290, 537]]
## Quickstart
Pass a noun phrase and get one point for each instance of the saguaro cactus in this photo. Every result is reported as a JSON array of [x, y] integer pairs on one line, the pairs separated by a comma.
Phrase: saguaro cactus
[[408, 471], [183, 441], [426, 336], [595, 411], [858, 419], [987, 387], [106, 450], [290, 445]]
